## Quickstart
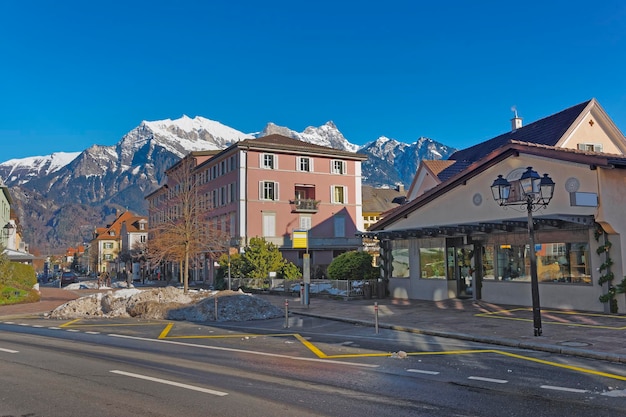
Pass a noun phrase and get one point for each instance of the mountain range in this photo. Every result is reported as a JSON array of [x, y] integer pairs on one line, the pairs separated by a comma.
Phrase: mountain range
[[61, 198]]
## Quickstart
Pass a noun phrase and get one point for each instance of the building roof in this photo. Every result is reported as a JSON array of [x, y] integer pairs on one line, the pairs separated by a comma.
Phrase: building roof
[[593, 159], [437, 165], [380, 200], [283, 143], [547, 131], [104, 233]]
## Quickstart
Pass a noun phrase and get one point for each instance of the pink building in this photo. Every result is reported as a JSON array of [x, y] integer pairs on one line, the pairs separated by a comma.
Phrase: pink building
[[272, 186]]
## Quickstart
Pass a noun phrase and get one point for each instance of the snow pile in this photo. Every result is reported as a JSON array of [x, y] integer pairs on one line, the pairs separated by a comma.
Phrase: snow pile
[[169, 303]]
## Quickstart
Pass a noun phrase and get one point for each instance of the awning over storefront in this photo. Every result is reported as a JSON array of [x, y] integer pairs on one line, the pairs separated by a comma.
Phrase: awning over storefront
[[562, 221], [17, 256]]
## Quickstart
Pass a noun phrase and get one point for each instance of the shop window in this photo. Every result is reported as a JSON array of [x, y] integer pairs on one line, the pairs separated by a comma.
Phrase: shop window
[[400, 258], [432, 260]]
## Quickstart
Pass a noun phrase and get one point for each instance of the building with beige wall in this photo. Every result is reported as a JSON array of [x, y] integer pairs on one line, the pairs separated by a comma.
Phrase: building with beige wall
[[453, 240]]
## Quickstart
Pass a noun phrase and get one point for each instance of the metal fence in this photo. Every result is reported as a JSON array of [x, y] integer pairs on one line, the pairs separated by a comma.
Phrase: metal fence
[[339, 288]]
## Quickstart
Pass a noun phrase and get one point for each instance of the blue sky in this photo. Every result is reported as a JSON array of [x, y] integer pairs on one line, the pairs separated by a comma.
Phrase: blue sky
[[78, 73]]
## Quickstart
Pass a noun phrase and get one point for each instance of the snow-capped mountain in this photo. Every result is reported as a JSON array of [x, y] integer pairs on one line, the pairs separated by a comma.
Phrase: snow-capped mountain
[[394, 162], [325, 135], [19, 171], [62, 197]]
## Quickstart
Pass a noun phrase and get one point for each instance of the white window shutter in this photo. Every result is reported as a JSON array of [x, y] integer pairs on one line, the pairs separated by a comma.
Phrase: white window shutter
[[276, 191], [260, 190]]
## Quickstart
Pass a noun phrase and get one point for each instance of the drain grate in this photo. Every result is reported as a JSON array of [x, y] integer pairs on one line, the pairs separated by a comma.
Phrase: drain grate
[[574, 344]]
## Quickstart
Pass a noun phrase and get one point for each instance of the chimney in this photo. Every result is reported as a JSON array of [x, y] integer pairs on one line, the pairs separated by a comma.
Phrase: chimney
[[516, 121], [400, 188]]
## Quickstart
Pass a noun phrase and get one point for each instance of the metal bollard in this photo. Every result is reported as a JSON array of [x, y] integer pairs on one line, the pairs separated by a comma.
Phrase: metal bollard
[[215, 308], [286, 313], [376, 316]]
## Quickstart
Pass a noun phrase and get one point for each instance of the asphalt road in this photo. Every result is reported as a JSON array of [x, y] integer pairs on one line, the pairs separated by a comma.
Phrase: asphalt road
[[312, 368]]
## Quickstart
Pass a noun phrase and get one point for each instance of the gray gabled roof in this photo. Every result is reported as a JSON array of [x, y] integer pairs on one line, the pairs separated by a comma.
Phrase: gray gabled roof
[[547, 131]]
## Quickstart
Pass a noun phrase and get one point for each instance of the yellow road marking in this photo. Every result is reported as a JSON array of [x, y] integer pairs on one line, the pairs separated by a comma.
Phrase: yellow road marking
[[165, 331], [560, 365], [320, 354], [69, 323]]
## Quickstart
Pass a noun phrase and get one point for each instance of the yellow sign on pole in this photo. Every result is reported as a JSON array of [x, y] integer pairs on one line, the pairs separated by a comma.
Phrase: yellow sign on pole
[[300, 239]]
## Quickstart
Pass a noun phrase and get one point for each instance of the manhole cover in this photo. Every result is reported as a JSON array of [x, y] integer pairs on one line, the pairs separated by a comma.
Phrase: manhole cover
[[574, 344]]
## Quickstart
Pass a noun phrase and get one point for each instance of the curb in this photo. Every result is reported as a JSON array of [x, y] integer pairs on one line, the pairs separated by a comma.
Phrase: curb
[[539, 347]]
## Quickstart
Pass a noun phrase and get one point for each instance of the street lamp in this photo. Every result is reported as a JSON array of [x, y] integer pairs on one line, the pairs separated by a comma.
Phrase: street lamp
[[536, 193]]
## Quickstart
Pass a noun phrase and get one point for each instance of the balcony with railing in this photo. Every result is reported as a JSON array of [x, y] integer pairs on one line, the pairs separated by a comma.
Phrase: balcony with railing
[[304, 205]]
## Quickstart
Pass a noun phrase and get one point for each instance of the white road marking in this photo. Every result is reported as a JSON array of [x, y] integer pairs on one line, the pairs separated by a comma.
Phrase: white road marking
[[580, 391], [496, 381], [92, 332], [251, 352], [54, 328], [37, 325], [419, 371], [9, 350], [175, 384], [72, 330]]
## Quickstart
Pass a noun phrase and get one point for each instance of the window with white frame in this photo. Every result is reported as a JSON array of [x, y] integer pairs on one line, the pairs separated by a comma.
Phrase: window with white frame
[[304, 163], [268, 190], [338, 194], [338, 167], [305, 221], [108, 245], [268, 161]]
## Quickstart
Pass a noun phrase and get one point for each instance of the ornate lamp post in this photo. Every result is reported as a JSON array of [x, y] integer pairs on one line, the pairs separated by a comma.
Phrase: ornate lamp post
[[536, 193]]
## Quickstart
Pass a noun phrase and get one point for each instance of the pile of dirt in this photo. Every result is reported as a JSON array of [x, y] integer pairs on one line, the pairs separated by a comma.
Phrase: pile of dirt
[[169, 303]]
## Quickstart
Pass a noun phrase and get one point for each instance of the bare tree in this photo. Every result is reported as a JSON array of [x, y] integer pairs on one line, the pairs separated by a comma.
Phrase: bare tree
[[183, 229]]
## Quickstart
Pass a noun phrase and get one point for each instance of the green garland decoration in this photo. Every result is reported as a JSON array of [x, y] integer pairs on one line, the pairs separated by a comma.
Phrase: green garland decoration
[[608, 276]]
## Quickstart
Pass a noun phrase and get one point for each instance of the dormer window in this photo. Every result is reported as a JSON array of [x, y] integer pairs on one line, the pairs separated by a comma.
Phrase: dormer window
[[111, 232], [590, 147]]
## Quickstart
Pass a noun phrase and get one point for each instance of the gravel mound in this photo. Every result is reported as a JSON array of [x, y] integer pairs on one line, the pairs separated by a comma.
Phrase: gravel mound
[[169, 303]]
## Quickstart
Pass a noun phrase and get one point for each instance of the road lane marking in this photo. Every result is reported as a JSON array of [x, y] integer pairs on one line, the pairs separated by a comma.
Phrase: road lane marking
[[9, 350], [251, 352], [167, 382], [559, 365], [576, 390], [495, 381], [419, 371]]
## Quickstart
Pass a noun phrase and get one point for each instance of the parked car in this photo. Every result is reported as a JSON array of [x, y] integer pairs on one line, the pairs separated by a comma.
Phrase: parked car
[[68, 278]]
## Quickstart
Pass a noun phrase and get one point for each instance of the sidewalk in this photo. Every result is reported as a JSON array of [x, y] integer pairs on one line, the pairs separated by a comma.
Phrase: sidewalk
[[590, 335]]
